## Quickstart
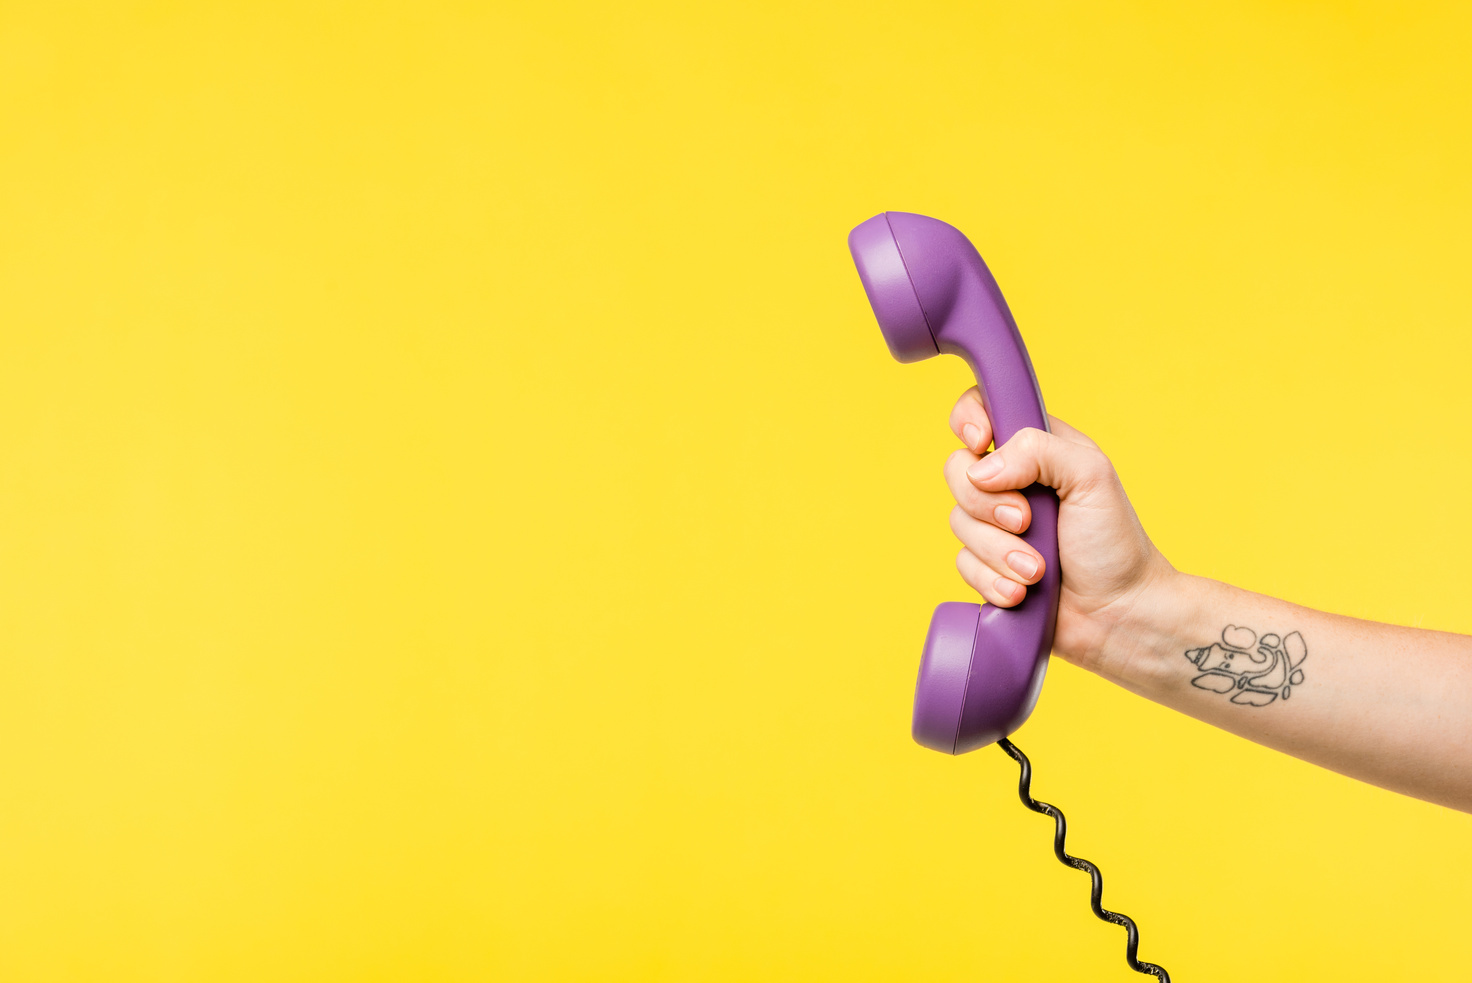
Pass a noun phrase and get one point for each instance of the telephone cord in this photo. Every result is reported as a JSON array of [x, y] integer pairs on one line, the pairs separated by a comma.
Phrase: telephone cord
[[1024, 784]]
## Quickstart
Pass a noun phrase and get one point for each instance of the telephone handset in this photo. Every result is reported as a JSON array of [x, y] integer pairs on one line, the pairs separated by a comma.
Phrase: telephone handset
[[981, 669]]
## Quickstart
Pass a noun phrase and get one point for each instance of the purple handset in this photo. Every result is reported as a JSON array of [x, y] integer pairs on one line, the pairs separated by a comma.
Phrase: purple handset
[[982, 668]]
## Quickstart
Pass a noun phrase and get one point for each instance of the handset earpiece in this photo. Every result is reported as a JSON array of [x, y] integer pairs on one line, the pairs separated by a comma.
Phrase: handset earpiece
[[981, 668]]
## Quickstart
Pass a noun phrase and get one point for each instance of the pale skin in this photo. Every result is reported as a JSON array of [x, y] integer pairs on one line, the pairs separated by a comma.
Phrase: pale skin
[[1381, 703]]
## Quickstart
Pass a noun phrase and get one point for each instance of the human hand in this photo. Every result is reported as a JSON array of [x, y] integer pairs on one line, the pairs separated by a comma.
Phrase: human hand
[[1108, 563]]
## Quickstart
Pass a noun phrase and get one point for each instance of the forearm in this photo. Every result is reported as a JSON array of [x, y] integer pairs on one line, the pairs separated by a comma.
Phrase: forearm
[[1380, 703]]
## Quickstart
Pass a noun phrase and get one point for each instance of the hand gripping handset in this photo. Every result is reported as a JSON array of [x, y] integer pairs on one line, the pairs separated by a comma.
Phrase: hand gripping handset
[[981, 668]]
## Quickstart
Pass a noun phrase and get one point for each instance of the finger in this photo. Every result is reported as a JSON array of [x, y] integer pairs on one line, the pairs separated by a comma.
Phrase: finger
[[994, 589], [970, 422], [1008, 509], [1034, 455], [1067, 432], [1003, 552]]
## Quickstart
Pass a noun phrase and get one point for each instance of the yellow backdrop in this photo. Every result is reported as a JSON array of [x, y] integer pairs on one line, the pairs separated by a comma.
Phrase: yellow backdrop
[[459, 520]]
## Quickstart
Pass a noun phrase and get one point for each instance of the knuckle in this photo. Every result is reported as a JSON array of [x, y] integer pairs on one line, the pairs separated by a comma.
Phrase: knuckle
[[967, 566], [1096, 465], [1026, 442], [974, 501]]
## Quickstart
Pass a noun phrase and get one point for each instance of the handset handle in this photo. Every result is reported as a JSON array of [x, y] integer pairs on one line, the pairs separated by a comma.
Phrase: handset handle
[[982, 668]]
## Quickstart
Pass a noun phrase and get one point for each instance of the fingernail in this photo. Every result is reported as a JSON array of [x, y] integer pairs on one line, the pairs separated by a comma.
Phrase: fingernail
[[988, 467], [1008, 517], [971, 433], [1007, 588], [1023, 563]]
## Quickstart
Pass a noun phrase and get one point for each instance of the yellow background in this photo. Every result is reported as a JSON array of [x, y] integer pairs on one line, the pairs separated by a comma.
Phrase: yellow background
[[459, 521]]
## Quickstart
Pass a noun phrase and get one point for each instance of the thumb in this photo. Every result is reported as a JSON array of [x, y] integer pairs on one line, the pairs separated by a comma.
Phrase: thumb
[[1036, 456]]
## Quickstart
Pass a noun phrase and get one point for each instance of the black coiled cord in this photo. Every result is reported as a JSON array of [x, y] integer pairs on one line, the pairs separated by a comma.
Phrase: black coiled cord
[[1024, 785]]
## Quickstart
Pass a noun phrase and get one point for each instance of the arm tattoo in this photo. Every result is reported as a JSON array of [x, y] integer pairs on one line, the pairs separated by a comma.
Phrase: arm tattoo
[[1256, 671]]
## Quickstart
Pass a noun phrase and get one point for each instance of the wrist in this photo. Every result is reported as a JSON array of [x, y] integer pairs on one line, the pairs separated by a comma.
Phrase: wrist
[[1151, 630]]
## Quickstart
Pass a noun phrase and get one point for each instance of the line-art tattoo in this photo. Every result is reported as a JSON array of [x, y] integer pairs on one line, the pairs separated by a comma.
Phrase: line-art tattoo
[[1259, 670]]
